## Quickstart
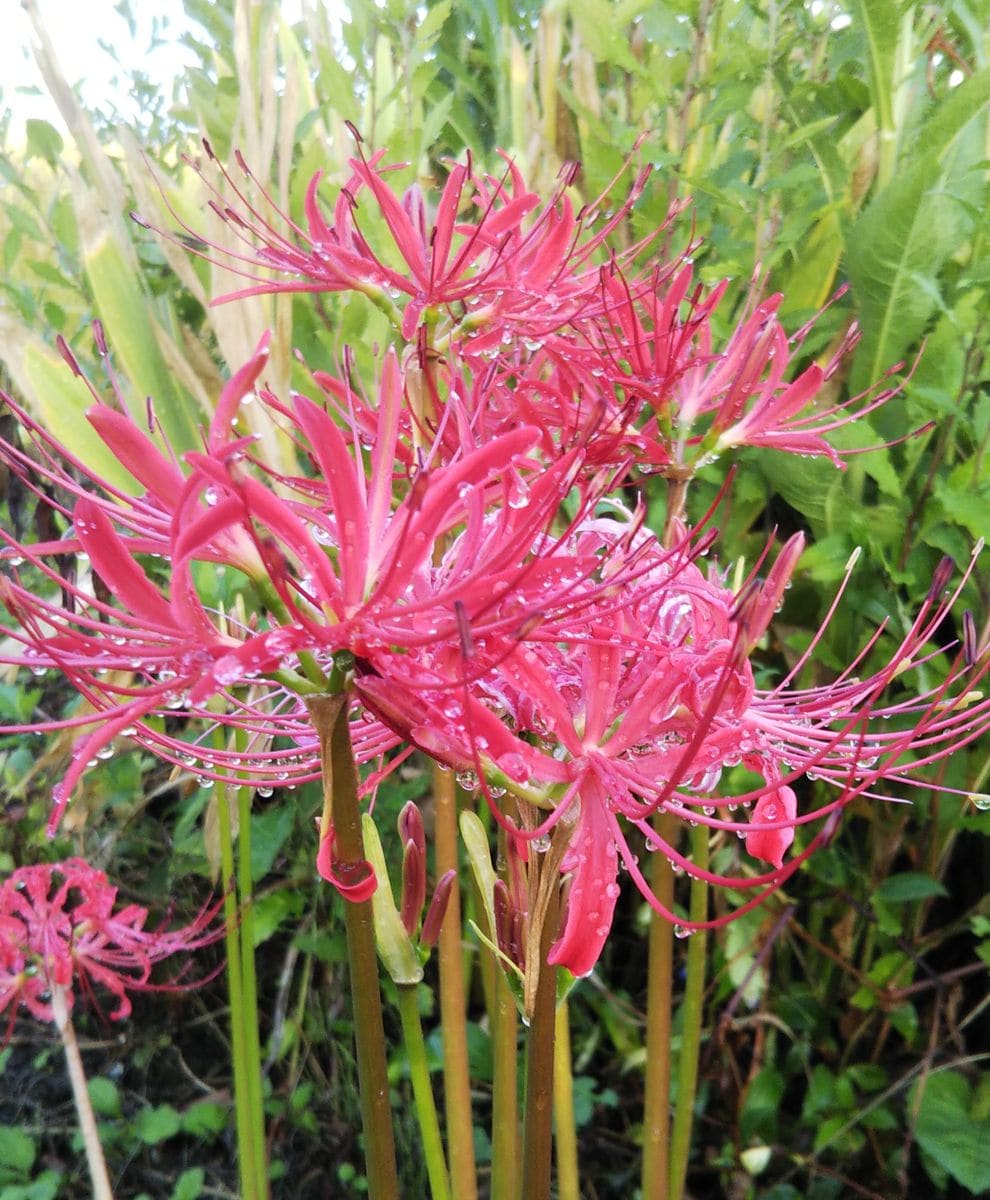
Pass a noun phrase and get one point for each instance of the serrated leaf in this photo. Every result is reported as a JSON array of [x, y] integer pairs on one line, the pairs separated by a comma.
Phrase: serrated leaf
[[946, 1131], [897, 247]]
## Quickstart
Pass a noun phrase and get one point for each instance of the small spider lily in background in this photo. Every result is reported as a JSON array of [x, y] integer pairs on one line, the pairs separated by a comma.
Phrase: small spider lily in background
[[63, 934]]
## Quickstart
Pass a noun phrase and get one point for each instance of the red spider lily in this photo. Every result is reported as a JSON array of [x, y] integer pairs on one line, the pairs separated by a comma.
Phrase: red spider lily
[[645, 709], [513, 265], [60, 928], [686, 402], [372, 558]]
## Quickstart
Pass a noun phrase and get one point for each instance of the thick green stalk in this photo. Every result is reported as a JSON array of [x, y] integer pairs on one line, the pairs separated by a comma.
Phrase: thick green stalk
[[538, 1118], [329, 715], [659, 993], [250, 1156], [249, 984], [426, 1109], [98, 1173], [568, 1179], [453, 1000], [692, 1009], [505, 1097]]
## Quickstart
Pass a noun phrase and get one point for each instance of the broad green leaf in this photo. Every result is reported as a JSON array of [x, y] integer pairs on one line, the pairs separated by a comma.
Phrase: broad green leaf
[[59, 399], [124, 309], [949, 1134], [268, 833], [879, 21], [898, 246], [908, 886]]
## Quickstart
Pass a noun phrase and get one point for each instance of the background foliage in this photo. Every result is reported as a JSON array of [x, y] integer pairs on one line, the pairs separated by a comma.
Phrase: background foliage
[[822, 144]]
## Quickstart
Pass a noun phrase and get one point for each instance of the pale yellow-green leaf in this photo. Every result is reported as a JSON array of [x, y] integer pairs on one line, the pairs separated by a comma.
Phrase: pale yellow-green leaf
[[124, 311], [60, 399], [395, 947], [480, 858]]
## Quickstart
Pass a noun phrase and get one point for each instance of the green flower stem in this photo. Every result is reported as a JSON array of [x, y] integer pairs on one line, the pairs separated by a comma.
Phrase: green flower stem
[[693, 1010], [538, 1118], [568, 1180], [329, 714], [660, 987], [453, 1000], [249, 985], [247, 1070], [98, 1173], [505, 1096], [426, 1109]]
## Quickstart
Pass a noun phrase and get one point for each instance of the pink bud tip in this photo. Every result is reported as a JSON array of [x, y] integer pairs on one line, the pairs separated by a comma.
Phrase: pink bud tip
[[66, 353], [438, 909]]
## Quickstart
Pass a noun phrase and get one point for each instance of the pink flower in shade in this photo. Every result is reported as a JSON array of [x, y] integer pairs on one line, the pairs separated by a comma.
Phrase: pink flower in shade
[[61, 927]]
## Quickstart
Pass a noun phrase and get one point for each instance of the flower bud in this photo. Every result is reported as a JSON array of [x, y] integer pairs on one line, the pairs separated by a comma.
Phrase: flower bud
[[413, 886], [437, 910]]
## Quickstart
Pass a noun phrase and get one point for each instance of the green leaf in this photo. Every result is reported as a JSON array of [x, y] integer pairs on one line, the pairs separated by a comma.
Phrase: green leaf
[[268, 833], [124, 310], [43, 1187], [205, 1119], [908, 886], [154, 1125], [43, 141], [189, 1185], [60, 400], [394, 945], [896, 249], [105, 1096], [17, 1152], [947, 1132]]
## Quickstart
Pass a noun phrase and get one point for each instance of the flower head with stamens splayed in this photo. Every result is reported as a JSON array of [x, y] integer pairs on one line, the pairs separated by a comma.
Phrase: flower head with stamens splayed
[[61, 927], [646, 702]]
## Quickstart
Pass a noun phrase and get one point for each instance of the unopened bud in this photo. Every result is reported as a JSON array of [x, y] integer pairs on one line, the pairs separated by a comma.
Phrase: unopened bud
[[941, 577], [66, 353], [413, 886], [970, 649], [410, 825], [438, 909]]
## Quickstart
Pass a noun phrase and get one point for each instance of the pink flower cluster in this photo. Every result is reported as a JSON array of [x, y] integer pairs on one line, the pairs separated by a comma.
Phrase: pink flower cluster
[[61, 927], [465, 548]]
